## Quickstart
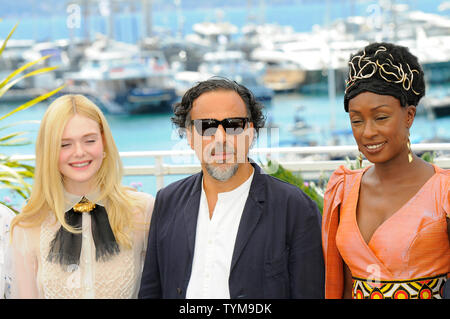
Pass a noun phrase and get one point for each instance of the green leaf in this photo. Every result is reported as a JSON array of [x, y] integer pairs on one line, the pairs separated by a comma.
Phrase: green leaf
[[26, 174], [16, 142], [13, 174], [32, 102], [4, 89], [19, 123], [6, 170], [22, 68], [7, 38], [428, 156], [23, 172], [27, 168], [10, 207], [10, 136], [18, 189], [297, 180]]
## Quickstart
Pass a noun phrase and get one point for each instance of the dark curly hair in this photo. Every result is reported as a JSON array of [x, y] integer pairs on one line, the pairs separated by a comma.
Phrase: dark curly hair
[[182, 109], [386, 69]]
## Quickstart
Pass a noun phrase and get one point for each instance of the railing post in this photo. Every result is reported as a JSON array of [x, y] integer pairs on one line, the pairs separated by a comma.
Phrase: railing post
[[159, 172]]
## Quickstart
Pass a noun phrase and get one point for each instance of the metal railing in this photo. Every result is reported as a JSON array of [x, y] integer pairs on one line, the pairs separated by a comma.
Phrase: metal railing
[[312, 161]]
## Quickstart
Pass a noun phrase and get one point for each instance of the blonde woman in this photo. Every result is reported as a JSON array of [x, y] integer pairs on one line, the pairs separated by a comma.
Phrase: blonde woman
[[81, 234]]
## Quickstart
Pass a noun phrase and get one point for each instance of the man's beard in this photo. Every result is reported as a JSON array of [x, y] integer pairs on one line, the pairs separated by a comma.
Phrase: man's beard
[[225, 171]]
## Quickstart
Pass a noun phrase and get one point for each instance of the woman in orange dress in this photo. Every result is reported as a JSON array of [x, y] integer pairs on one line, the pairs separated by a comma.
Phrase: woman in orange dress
[[386, 226]]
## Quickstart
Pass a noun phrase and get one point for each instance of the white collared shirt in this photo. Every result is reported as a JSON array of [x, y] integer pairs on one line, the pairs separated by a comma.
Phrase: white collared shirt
[[214, 243]]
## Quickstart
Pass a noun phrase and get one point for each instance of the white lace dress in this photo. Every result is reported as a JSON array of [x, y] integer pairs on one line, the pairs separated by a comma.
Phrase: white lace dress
[[6, 215], [117, 278]]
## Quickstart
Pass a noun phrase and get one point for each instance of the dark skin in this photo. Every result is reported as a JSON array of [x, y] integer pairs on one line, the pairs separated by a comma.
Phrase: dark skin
[[381, 127]]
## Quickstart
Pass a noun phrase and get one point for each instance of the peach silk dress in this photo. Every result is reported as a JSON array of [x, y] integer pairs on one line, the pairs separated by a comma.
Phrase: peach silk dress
[[408, 255]]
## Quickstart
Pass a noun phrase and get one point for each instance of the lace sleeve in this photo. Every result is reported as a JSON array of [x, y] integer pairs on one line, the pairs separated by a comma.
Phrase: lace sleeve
[[6, 216], [24, 263]]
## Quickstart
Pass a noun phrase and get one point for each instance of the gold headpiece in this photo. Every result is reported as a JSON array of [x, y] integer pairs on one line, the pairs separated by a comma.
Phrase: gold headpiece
[[84, 206], [368, 66]]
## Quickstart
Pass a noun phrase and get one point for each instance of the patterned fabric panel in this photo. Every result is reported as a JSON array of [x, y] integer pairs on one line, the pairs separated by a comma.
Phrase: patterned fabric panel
[[421, 288]]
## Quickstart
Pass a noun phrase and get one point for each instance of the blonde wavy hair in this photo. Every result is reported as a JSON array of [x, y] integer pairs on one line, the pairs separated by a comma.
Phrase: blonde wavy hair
[[47, 194]]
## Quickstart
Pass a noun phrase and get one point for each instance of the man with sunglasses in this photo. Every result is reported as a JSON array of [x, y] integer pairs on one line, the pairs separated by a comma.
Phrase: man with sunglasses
[[231, 231]]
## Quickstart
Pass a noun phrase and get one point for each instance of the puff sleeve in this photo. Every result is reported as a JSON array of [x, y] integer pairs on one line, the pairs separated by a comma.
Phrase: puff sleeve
[[446, 202], [333, 197]]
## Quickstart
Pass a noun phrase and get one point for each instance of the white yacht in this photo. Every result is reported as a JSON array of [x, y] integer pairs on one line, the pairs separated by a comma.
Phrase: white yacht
[[125, 78]]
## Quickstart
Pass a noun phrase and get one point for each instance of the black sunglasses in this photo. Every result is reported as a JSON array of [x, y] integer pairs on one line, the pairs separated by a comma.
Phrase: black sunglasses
[[232, 125]]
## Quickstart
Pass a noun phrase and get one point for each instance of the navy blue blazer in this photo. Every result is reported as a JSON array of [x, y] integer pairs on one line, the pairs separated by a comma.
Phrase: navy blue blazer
[[277, 253], [446, 290]]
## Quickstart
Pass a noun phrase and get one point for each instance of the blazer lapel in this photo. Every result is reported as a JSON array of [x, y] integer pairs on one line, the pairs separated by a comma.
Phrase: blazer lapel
[[250, 216], [191, 212]]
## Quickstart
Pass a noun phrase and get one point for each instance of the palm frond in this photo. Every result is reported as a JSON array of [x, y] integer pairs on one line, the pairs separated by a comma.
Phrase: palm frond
[[7, 38], [22, 68], [7, 86], [13, 181], [10, 207], [19, 123], [8, 172], [13, 174], [26, 168], [17, 142], [32, 102]]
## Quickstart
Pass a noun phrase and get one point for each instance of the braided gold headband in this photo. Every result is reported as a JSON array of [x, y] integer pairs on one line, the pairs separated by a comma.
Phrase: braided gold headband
[[405, 77]]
